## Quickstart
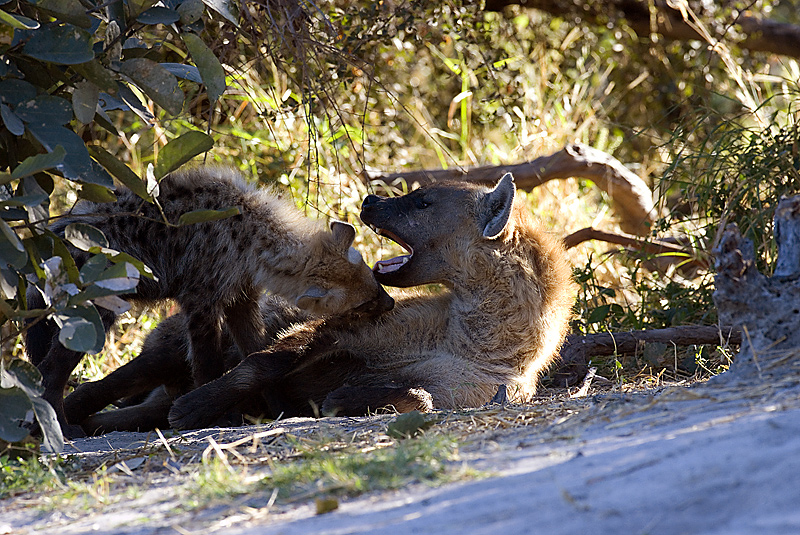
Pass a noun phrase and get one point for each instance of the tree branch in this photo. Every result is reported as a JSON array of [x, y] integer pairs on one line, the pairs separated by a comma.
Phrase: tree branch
[[686, 257], [631, 197]]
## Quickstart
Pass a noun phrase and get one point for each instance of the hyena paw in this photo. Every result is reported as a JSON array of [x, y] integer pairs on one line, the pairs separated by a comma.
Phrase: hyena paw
[[190, 412]]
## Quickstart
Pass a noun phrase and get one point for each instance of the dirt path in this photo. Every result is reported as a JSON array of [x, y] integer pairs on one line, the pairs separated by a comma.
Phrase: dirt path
[[707, 459]]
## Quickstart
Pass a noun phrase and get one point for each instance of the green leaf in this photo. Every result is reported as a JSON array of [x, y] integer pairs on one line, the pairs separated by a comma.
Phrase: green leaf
[[67, 262], [210, 68], [132, 101], [52, 438], [138, 6], [408, 425], [40, 162], [156, 81], [12, 122], [13, 91], [45, 110], [84, 101], [226, 8], [82, 329], [85, 236], [25, 200], [94, 72], [23, 375], [18, 21], [598, 314], [180, 150], [77, 333], [11, 249], [187, 72], [138, 264], [93, 268], [159, 15], [96, 193], [67, 11], [77, 164], [121, 277], [14, 406], [64, 45], [202, 216], [120, 171], [191, 11]]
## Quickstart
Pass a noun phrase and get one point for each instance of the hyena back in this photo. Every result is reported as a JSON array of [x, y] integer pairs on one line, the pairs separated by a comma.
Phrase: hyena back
[[217, 270]]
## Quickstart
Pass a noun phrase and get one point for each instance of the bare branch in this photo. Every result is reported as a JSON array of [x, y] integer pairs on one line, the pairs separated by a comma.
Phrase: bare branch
[[631, 197]]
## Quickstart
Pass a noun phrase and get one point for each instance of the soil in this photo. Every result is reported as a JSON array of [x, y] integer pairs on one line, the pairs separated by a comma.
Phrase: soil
[[711, 458]]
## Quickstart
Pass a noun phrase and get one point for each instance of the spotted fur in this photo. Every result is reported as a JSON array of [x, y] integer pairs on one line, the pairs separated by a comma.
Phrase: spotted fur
[[217, 270]]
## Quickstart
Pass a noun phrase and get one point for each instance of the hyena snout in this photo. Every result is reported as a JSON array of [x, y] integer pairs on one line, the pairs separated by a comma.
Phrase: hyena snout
[[383, 302]]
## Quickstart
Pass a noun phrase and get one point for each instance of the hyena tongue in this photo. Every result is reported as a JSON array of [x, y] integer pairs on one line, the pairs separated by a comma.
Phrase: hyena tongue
[[393, 264]]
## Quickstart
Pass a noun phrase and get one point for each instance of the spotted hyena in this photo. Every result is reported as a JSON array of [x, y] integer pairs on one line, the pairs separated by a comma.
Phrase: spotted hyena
[[216, 270]]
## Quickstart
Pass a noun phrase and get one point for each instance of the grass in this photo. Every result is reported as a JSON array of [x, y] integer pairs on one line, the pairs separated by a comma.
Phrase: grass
[[329, 467]]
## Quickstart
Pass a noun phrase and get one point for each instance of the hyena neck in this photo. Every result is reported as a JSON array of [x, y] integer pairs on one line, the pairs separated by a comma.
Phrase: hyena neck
[[503, 293]]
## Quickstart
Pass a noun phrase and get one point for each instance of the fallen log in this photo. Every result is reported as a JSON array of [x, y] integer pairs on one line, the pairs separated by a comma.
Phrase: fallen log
[[578, 350], [631, 198]]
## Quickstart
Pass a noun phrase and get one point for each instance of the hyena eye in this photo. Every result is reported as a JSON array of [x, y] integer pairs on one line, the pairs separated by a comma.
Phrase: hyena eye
[[421, 203]]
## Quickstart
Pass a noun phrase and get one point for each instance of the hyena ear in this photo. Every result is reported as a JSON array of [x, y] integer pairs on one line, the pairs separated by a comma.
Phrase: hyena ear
[[311, 296], [343, 234], [495, 207]]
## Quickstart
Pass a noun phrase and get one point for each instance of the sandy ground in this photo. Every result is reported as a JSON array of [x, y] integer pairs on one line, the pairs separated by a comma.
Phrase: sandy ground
[[710, 459]]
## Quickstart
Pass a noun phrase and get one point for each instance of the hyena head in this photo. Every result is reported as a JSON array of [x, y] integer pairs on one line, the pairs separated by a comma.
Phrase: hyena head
[[431, 221], [338, 280]]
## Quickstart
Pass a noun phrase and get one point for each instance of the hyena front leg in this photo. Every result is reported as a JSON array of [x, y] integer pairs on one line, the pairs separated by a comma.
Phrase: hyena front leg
[[146, 416], [205, 343], [257, 372], [361, 400], [162, 361], [244, 321]]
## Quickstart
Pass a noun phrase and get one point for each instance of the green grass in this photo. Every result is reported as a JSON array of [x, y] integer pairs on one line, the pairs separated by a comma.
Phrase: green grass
[[21, 475], [318, 469]]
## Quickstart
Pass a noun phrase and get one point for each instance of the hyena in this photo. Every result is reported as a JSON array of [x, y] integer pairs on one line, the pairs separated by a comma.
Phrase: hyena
[[216, 270], [499, 319]]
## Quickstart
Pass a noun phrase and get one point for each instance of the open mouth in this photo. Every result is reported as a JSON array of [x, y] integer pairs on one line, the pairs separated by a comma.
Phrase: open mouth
[[392, 264]]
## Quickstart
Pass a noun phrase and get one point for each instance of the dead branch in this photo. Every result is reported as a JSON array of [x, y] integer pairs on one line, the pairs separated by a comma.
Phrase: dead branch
[[631, 197], [579, 349], [685, 257]]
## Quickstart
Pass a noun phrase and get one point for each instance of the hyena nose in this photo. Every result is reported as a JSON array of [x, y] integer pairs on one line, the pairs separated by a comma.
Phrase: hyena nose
[[370, 200]]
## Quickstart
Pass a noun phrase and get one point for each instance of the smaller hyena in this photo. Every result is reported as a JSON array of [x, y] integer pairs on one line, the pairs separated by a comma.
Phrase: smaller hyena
[[216, 270]]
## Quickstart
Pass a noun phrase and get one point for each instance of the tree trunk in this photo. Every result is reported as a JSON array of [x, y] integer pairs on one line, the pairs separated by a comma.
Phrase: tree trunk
[[766, 308]]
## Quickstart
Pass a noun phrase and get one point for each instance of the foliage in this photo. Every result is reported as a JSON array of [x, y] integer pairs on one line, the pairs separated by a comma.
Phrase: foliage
[[20, 392], [18, 475], [67, 68]]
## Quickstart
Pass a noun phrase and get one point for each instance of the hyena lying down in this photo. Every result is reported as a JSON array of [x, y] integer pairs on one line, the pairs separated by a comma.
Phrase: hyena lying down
[[500, 319], [216, 271]]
